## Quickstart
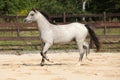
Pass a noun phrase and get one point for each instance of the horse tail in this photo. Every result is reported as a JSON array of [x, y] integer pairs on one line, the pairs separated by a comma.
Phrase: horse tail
[[93, 37]]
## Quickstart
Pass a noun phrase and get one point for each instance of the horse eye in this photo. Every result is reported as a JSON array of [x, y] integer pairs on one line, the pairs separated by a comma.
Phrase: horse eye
[[32, 14]]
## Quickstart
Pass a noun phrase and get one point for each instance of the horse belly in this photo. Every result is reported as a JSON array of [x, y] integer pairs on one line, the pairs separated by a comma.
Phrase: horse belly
[[63, 39], [66, 33]]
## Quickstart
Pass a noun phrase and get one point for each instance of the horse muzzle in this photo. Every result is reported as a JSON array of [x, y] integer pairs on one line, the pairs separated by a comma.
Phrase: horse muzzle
[[27, 21]]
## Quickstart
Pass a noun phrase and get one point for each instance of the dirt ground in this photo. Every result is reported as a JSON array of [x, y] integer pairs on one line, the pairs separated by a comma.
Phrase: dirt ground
[[104, 66]]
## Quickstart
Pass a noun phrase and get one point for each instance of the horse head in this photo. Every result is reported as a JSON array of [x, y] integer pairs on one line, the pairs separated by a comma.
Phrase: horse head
[[32, 16]]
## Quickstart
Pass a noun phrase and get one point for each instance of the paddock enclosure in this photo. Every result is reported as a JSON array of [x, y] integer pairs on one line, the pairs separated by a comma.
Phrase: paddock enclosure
[[16, 35], [104, 66]]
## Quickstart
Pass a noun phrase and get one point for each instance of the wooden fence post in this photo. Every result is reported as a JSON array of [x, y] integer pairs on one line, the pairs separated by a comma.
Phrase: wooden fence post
[[104, 20], [17, 25], [64, 17]]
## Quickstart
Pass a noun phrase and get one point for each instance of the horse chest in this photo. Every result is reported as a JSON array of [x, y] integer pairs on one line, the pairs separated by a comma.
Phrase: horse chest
[[46, 36]]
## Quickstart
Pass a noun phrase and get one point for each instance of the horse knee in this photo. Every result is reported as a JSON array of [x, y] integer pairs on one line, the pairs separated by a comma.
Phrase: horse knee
[[43, 54]]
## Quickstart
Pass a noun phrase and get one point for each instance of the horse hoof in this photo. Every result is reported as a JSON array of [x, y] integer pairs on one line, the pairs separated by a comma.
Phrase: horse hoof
[[41, 64], [52, 61], [89, 59], [79, 64]]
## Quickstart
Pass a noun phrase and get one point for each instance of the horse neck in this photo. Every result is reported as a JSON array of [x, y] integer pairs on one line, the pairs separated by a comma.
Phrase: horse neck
[[43, 23]]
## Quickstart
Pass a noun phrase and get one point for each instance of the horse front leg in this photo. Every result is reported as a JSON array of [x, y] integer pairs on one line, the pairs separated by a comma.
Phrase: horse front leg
[[43, 53], [43, 60]]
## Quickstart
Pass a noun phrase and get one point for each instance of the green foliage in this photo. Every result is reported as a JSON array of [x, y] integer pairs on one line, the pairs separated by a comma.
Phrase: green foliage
[[16, 6], [58, 6], [49, 6], [22, 7], [98, 6]]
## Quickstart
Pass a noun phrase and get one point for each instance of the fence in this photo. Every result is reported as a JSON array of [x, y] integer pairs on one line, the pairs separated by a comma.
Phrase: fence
[[12, 28]]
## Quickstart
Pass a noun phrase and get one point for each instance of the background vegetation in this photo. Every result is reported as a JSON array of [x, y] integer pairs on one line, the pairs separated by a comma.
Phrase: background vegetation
[[21, 7]]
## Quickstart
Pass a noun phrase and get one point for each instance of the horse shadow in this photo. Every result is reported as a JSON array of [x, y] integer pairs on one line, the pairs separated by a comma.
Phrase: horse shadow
[[46, 64]]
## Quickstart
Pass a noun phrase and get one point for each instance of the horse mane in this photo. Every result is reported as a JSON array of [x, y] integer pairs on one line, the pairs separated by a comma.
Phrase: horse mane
[[44, 14], [47, 17]]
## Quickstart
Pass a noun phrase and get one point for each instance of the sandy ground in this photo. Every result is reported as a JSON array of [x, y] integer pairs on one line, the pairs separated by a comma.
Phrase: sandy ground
[[104, 66]]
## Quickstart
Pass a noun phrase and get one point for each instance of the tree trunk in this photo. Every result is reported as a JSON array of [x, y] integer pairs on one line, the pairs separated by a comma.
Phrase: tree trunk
[[84, 7]]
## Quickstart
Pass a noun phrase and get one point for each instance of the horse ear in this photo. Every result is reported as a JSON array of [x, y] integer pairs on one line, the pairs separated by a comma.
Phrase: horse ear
[[33, 9]]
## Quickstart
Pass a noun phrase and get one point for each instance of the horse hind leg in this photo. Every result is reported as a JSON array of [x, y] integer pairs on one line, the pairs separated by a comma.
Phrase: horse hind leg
[[81, 50], [81, 56], [86, 47], [87, 50]]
